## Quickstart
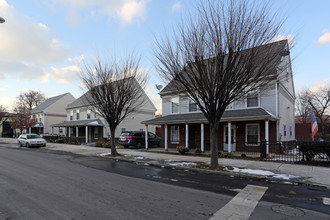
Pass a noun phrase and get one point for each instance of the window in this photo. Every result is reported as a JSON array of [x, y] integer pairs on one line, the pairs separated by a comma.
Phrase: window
[[287, 71], [122, 130], [192, 106], [252, 99], [252, 136], [40, 119], [284, 130], [77, 114], [88, 114], [95, 115], [290, 131], [175, 138], [230, 106], [71, 115], [175, 104], [151, 135]]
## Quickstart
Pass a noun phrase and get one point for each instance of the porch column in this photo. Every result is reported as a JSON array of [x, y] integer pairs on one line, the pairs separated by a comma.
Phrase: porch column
[[202, 137], [69, 131], [146, 136], [229, 136], [59, 131], [267, 135], [187, 135], [77, 132], [52, 130], [29, 130], [86, 132], [166, 146]]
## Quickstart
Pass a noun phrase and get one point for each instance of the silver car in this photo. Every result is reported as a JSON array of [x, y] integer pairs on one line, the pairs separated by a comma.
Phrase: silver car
[[31, 140]]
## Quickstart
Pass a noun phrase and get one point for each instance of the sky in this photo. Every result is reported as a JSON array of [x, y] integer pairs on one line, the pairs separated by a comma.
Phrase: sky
[[43, 43]]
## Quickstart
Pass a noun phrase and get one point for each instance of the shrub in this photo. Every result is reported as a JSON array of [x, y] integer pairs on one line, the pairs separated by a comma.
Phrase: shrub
[[225, 155], [106, 144], [59, 141], [99, 144], [182, 149], [198, 151], [243, 155]]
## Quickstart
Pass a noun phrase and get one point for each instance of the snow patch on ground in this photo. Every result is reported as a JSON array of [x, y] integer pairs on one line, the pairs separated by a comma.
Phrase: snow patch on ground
[[105, 154], [262, 173], [182, 164], [139, 158]]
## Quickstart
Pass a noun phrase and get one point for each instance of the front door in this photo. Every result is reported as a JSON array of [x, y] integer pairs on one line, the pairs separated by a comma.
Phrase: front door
[[233, 138]]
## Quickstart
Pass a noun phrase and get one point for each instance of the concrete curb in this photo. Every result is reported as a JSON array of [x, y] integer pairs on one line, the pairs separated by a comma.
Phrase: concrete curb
[[225, 173]]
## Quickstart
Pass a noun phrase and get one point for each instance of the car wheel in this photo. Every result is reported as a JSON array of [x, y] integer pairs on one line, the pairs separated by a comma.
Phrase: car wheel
[[138, 145], [20, 144], [126, 146], [27, 145]]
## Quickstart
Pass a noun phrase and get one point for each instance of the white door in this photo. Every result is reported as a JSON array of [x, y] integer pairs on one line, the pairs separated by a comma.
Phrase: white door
[[233, 138]]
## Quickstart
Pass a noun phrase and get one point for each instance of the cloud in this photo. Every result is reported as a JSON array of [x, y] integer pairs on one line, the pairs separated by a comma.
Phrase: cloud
[[177, 6], [127, 11], [22, 38], [63, 75], [132, 10], [319, 85], [324, 39]]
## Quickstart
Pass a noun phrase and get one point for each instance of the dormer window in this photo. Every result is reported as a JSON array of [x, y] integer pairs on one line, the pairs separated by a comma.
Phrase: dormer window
[[175, 104]]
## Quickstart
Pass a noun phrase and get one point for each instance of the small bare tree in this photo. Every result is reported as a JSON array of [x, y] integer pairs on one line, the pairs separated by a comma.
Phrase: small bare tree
[[115, 89], [219, 55], [3, 114], [303, 108], [21, 119], [320, 102], [31, 99]]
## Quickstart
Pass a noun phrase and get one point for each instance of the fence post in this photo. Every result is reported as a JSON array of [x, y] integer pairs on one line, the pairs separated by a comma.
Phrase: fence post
[[262, 150]]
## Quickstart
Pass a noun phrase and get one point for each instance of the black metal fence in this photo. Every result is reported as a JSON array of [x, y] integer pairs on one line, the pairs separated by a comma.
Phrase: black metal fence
[[295, 151], [289, 152]]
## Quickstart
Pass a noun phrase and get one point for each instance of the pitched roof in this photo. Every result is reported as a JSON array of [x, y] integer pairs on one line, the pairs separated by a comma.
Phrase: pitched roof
[[81, 101], [276, 46], [47, 103], [89, 122], [232, 115]]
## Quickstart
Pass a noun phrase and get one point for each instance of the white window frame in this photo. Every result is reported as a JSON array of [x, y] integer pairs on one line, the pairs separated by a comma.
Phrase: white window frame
[[122, 130], [71, 115], [88, 114], [246, 100], [77, 114], [290, 131], [232, 106], [178, 105], [189, 102], [284, 131], [178, 130], [246, 129]]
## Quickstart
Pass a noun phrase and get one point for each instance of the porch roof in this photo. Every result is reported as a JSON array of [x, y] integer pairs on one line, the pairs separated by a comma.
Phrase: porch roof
[[38, 125], [229, 115], [80, 123]]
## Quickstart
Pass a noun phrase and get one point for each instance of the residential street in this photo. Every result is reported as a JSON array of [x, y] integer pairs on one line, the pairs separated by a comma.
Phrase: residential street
[[42, 184]]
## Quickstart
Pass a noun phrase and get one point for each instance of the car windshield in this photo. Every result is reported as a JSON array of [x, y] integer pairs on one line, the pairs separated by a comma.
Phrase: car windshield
[[32, 136]]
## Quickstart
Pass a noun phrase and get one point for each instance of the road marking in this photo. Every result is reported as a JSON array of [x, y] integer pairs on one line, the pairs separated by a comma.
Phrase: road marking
[[326, 201], [242, 205]]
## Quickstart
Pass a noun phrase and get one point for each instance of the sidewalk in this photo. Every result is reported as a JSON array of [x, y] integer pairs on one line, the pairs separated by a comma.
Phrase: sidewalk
[[284, 172]]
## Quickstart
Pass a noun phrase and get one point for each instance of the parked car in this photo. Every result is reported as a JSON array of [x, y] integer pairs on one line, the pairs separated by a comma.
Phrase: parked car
[[137, 139], [31, 140]]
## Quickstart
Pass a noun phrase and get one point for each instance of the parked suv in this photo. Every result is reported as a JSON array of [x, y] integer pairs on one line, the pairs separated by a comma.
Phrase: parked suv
[[137, 139]]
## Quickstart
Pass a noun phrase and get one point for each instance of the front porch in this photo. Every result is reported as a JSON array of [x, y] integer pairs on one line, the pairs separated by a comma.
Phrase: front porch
[[92, 129], [246, 130]]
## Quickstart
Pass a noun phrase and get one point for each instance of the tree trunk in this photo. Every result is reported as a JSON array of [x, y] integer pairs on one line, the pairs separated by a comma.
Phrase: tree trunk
[[214, 144], [113, 143]]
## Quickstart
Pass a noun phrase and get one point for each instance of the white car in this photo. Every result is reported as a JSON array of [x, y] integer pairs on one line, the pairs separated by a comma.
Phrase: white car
[[31, 140]]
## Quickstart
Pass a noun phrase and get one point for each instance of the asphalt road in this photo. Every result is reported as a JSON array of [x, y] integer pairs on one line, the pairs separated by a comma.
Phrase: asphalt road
[[41, 184]]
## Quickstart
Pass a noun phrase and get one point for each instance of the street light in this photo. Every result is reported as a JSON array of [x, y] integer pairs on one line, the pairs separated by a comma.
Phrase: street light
[[2, 20]]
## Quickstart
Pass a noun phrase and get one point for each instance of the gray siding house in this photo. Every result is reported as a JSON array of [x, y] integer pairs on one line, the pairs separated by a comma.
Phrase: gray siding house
[[266, 114], [49, 112], [83, 120]]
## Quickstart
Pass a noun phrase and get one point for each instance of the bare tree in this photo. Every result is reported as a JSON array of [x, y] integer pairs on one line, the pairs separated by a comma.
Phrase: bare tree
[[320, 102], [303, 108], [31, 99], [115, 89], [220, 55], [3, 114], [21, 119]]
